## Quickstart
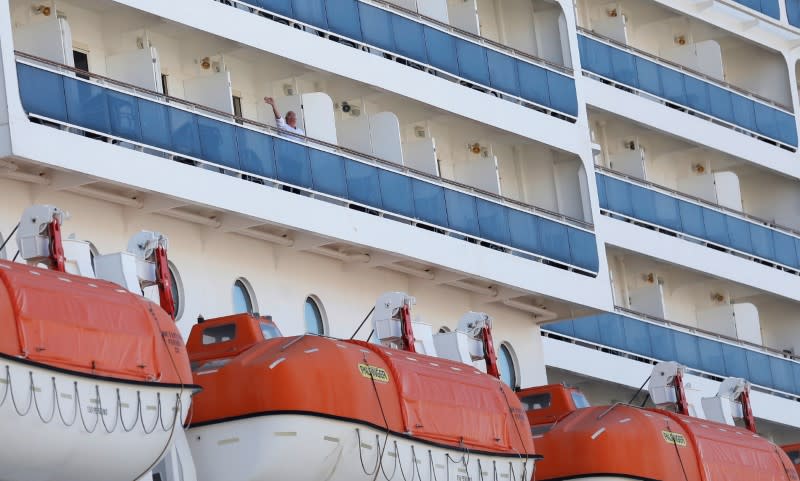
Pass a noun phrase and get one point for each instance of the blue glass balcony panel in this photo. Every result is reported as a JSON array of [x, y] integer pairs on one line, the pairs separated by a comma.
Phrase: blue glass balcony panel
[[562, 327], [618, 194], [612, 332], [554, 240], [184, 133], [533, 83], [441, 49], [697, 94], [524, 231], [376, 27], [763, 242], [160, 126], [256, 153], [623, 66], [692, 219], [735, 361], [721, 103], [587, 328], [462, 214], [662, 342], [473, 64], [429, 203], [711, 356], [672, 85], [637, 336], [493, 221], [503, 72], [744, 114], [343, 18], [583, 249], [155, 124], [759, 367], [397, 193], [311, 12], [687, 350], [281, 7], [643, 203], [409, 37], [647, 77], [563, 96], [667, 211], [782, 375], [785, 250], [292, 162], [787, 128], [123, 112], [596, 56], [793, 12], [602, 197], [739, 234], [363, 183], [327, 173], [218, 142], [716, 227], [42, 92], [766, 120], [87, 105]]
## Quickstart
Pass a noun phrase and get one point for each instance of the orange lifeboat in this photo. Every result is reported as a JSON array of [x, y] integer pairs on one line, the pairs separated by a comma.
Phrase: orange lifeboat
[[793, 451], [310, 408], [93, 378], [623, 442]]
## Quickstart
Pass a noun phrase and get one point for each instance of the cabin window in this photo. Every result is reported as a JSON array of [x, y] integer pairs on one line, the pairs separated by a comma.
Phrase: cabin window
[[164, 84], [81, 60], [537, 401], [243, 297], [219, 334], [2, 247], [507, 364], [269, 331], [315, 322]]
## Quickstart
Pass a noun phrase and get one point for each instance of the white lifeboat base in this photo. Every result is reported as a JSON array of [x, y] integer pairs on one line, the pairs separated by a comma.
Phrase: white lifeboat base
[[301, 447], [68, 427]]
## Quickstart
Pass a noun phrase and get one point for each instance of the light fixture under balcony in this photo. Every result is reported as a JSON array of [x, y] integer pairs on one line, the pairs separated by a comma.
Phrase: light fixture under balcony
[[42, 10], [205, 64]]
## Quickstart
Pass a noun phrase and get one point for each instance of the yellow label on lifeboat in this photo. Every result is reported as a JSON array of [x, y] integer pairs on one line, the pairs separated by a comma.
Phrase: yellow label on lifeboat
[[372, 372], [674, 438]]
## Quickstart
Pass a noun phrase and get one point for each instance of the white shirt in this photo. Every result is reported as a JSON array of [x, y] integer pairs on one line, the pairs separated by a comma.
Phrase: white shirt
[[284, 126]]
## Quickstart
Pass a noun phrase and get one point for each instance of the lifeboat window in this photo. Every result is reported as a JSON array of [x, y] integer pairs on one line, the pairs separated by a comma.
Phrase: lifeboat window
[[201, 367], [580, 400], [315, 323], [794, 456], [508, 366], [269, 331], [243, 298], [219, 334], [540, 429], [537, 401]]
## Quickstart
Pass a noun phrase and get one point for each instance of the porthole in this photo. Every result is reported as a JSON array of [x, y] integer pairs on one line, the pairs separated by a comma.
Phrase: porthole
[[314, 316], [507, 364], [244, 300], [177, 290]]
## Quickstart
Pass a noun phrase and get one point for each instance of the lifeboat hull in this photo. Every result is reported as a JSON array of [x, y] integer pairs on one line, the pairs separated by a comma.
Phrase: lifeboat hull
[[59, 425], [303, 447]]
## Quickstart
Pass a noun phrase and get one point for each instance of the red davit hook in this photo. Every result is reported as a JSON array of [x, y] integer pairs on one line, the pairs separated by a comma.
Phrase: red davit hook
[[407, 331], [164, 282], [56, 247], [488, 352]]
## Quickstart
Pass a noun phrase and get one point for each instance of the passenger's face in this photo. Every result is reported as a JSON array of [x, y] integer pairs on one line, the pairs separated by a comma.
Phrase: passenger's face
[[291, 118]]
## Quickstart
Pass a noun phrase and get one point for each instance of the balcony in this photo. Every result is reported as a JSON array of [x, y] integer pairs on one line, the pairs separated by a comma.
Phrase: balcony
[[769, 8], [684, 89], [430, 46], [650, 339], [699, 221], [131, 117]]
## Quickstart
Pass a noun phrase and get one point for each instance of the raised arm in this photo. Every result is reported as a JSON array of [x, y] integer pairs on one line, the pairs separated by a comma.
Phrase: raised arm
[[271, 102]]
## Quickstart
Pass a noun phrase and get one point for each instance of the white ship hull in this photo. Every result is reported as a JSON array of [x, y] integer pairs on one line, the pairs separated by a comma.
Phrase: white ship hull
[[310, 448], [61, 426]]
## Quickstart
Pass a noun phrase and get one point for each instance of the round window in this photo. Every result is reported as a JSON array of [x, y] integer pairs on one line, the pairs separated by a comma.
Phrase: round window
[[315, 323]]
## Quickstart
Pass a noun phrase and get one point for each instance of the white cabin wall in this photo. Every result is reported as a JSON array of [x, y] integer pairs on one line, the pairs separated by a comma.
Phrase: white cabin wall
[[757, 70], [772, 197]]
